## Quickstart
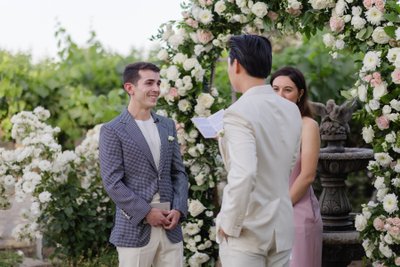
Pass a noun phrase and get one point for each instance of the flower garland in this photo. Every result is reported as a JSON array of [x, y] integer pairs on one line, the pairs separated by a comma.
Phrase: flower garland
[[192, 45]]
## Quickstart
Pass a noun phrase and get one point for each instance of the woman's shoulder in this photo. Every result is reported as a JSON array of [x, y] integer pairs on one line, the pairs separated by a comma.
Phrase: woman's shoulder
[[310, 125]]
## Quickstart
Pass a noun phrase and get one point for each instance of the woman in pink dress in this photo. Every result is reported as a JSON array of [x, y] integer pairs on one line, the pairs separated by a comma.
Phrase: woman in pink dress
[[289, 83]]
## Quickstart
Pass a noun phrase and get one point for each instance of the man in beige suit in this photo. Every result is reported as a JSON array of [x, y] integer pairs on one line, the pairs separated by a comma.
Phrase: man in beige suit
[[259, 147]]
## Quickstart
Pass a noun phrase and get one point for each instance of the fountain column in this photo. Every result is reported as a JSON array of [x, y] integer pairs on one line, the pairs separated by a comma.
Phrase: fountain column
[[341, 244]]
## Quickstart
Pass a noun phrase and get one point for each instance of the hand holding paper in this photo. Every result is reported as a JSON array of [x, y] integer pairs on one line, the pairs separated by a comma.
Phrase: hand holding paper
[[210, 126]]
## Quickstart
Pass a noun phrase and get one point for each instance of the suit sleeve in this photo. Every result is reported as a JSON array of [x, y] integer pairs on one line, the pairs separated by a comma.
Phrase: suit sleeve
[[241, 165], [112, 173], [179, 178]]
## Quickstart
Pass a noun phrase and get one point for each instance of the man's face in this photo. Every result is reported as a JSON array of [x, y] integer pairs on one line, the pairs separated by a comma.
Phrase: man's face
[[147, 89]]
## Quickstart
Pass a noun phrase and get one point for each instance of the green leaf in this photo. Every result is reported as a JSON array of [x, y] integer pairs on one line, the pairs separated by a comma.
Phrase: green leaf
[[391, 31]]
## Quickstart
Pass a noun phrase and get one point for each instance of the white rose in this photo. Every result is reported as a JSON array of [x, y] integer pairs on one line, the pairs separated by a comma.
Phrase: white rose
[[259, 9], [362, 93], [397, 33], [176, 40], [379, 182], [195, 207], [172, 73], [339, 44], [44, 197], [380, 90], [390, 137], [340, 7], [219, 7], [386, 109], [385, 250], [179, 58], [328, 39], [356, 10], [205, 100], [184, 105], [198, 49], [393, 54], [193, 152], [360, 222], [162, 55], [200, 179], [374, 104], [190, 63], [379, 36], [368, 134], [358, 22], [395, 104], [321, 4]]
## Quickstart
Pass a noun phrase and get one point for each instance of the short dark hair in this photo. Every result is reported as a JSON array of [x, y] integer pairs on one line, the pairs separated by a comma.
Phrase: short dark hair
[[297, 77], [253, 52], [131, 72]]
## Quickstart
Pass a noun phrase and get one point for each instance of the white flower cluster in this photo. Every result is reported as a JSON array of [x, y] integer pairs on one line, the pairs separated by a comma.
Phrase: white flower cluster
[[38, 165]]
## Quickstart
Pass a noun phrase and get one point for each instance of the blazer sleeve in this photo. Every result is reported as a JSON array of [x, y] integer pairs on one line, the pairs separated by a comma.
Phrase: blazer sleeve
[[241, 163], [179, 178], [112, 173]]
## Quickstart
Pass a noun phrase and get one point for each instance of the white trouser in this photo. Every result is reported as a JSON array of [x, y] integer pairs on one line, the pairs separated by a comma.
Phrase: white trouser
[[234, 257], [159, 252]]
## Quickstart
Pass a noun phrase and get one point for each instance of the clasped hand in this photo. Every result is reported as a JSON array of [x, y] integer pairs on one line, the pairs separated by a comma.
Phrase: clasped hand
[[168, 219]]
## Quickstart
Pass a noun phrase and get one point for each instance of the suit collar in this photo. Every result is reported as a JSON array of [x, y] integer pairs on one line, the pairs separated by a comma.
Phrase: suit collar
[[261, 89]]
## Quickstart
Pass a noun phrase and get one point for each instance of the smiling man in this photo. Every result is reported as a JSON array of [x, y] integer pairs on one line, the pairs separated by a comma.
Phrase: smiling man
[[143, 173]]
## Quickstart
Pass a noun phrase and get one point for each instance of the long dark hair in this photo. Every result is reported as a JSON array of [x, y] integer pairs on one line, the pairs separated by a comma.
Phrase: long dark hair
[[298, 79]]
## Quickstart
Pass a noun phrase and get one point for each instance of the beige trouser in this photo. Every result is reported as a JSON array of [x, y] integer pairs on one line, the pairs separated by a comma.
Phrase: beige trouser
[[234, 257], [159, 252]]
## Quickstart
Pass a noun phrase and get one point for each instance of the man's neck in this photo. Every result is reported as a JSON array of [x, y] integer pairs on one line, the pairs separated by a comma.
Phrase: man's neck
[[250, 83], [139, 114]]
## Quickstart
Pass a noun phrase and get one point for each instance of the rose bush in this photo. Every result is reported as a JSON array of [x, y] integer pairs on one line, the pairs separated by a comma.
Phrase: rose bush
[[69, 206]]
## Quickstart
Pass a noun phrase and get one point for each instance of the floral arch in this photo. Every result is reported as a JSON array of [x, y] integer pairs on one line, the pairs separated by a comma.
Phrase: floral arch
[[192, 45]]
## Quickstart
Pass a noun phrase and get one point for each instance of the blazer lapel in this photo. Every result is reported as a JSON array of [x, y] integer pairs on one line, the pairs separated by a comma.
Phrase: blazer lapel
[[137, 136], [163, 132]]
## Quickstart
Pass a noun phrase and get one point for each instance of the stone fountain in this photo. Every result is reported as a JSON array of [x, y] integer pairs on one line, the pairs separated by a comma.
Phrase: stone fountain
[[340, 240]]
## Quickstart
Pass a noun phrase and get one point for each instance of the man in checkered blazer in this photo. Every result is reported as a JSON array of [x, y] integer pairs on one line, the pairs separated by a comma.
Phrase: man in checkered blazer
[[143, 173]]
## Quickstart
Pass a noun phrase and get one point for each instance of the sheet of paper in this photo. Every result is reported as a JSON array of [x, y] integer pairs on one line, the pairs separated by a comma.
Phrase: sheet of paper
[[210, 126]]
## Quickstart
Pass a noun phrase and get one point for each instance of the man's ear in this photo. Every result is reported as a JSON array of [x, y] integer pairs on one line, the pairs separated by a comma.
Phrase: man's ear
[[237, 67], [129, 88]]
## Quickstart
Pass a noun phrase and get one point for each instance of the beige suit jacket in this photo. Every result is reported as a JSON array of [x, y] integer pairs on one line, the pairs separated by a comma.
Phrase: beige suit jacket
[[259, 148]]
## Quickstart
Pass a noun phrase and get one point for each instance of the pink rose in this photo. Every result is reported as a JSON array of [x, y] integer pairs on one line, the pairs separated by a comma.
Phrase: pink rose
[[380, 4], [396, 221], [336, 24], [204, 36], [377, 79], [272, 15], [192, 23], [397, 261], [394, 231], [367, 78], [396, 76], [209, 2], [378, 224], [173, 92], [368, 3], [179, 126], [382, 122], [294, 12], [183, 149]]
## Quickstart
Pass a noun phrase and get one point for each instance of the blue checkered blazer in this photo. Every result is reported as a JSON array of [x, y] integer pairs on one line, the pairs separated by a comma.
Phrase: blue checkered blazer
[[131, 178]]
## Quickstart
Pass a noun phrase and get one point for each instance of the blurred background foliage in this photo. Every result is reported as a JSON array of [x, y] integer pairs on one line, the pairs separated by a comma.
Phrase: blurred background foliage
[[82, 87]]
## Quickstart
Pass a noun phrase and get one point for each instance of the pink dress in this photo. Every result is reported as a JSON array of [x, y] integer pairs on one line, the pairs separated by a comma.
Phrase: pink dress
[[307, 246]]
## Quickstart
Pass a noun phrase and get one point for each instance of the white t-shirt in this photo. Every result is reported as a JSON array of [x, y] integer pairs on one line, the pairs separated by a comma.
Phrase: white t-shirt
[[150, 132]]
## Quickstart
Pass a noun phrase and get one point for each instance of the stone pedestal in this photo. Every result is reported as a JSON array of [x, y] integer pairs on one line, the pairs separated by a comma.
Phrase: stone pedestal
[[341, 248]]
